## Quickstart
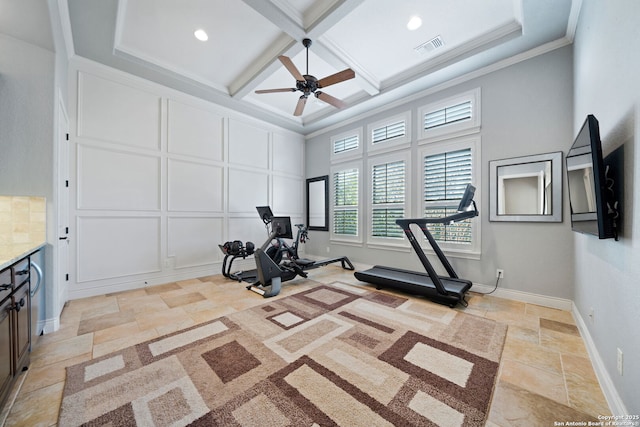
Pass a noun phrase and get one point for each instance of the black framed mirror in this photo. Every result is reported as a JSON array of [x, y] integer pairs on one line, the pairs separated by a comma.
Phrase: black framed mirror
[[318, 203]]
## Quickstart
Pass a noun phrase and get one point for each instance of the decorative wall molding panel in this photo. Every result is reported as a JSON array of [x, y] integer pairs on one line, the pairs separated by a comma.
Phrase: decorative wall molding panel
[[162, 178], [110, 247], [117, 180], [116, 112], [194, 187]]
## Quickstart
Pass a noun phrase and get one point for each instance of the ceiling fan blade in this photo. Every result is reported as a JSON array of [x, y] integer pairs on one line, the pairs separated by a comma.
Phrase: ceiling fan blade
[[330, 99], [289, 89], [300, 106], [286, 61], [337, 78]]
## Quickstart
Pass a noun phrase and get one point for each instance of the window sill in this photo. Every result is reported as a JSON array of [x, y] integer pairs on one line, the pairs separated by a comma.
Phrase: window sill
[[398, 247], [354, 243], [452, 253]]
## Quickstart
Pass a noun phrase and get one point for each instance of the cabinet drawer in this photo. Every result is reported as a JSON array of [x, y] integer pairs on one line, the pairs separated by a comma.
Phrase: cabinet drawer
[[21, 272], [6, 286]]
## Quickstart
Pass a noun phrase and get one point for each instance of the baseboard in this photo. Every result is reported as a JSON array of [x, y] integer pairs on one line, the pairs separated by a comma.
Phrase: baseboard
[[115, 285], [51, 325], [616, 405], [543, 300]]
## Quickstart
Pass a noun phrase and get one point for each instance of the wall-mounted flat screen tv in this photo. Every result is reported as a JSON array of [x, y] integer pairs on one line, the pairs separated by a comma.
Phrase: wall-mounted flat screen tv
[[588, 193]]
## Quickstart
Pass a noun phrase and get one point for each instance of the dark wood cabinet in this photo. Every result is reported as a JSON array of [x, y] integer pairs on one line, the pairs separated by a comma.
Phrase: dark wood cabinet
[[6, 355], [15, 317]]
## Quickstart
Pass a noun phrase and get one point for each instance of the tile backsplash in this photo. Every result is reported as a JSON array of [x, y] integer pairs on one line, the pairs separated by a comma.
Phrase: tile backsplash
[[22, 220]]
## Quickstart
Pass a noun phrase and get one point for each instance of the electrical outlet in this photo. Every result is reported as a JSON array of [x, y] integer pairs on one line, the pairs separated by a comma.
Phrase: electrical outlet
[[620, 360], [167, 263], [328, 249], [500, 273]]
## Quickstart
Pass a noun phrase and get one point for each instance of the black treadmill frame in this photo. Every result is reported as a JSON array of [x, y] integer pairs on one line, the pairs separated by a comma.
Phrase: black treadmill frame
[[441, 295]]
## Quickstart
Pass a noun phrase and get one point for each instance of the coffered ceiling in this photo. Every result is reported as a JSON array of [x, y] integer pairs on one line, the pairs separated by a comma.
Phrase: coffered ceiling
[[155, 39]]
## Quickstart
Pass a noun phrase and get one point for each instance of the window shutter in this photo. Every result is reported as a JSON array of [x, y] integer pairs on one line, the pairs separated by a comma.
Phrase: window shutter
[[345, 144], [346, 222], [346, 202], [447, 115], [388, 189], [346, 187], [391, 131], [446, 176], [384, 222]]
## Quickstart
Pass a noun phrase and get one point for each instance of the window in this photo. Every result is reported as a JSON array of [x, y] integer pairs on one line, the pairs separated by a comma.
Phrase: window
[[447, 115], [452, 117], [390, 134], [388, 199], [387, 132], [347, 145], [447, 169], [389, 187], [345, 207]]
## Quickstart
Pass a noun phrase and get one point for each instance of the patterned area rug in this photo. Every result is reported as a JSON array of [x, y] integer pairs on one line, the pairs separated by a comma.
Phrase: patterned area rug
[[333, 355]]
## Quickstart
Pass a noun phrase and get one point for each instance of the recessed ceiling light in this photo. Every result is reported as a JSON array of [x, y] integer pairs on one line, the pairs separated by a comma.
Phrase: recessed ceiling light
[[414, 23], [201, 35]]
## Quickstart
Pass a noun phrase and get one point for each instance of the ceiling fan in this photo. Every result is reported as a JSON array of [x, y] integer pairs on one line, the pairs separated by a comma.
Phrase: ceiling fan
[[308, 84]]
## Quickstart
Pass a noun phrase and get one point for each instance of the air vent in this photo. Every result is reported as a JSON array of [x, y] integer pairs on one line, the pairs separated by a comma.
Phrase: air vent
[[430, 46]]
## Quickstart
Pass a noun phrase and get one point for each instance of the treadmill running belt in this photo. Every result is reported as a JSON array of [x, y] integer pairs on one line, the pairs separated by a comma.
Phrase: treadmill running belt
[[415, 282]]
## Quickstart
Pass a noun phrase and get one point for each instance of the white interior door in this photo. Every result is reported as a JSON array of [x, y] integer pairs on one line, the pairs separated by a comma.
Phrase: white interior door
[[62, 267]]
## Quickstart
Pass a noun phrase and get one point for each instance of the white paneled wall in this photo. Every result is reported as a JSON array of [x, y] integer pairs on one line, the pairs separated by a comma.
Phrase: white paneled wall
[[116, 246], [190, 241], [111, 179], [161, 178], [118, 113], [247, 189], [195, 187], [204, 138], [254, 149], [287, 194]]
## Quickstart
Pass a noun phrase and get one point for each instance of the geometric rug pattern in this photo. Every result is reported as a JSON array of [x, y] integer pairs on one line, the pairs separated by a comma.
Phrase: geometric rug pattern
[[333, 355]]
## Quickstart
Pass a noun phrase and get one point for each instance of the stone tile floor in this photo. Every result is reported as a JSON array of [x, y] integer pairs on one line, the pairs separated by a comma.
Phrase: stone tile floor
[[545, 371]]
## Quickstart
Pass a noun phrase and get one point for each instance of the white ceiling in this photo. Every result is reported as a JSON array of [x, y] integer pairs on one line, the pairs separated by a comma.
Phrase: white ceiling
[[154, 39]]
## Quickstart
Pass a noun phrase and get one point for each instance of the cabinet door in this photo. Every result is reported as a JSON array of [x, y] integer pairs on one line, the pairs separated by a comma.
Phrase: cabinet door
[[22, 317], [6, 355]]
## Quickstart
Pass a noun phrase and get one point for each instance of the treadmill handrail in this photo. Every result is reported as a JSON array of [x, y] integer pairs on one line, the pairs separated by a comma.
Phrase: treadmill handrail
[[422, 223], [456, 217]]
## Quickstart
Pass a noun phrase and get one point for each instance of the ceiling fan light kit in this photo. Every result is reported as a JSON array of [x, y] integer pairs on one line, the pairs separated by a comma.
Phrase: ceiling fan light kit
[[308, 84]]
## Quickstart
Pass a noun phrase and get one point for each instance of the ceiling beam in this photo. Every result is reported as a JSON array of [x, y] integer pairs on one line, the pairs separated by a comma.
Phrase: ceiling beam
[[329, 51], [331, 17], [267, 63], [263, 66], [277, 18]]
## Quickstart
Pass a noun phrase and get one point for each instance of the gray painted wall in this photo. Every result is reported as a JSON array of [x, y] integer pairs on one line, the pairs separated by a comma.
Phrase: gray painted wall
[[31, 78], [26, 118], [607, 84], [526, 110]]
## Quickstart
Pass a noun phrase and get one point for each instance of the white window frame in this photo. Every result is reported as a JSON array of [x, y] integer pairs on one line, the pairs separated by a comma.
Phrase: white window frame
[[378, 160], [456, 129], [349, 154], [342, 238], [472, 250], [396, 143]]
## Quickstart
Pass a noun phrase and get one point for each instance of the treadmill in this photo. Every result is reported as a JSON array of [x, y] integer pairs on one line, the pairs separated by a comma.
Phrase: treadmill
[[449, 290]]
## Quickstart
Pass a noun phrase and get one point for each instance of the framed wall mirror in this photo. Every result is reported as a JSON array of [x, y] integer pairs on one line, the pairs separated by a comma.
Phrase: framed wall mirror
[[527, 189], [318, 203]]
